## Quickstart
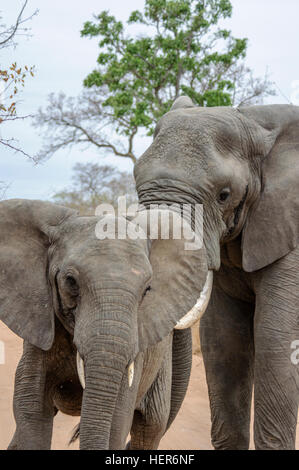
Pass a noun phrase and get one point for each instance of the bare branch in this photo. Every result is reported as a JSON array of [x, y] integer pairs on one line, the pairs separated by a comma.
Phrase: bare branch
[[3, 188], [8, 143], [15, 118], [16, 27], [81, 121]]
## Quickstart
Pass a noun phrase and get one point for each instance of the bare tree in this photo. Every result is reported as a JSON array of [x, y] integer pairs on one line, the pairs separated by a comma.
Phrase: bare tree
[[84, 120], [95, 184], [249, 90]]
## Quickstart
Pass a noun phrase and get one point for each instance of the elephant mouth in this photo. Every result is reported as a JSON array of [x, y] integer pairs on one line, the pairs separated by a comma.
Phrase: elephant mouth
[[235, 229], [81, 371], [187, 321]]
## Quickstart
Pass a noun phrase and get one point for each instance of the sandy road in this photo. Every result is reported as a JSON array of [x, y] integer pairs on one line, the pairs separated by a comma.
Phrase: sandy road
[[191, 429]]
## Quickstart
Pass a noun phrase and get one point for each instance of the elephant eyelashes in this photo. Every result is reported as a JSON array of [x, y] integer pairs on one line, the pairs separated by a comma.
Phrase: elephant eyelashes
[[224, 195]]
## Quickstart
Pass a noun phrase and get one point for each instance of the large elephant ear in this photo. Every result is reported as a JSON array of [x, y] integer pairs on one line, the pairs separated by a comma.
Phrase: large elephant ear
[[272, 226], [26, 229], [179, 277]]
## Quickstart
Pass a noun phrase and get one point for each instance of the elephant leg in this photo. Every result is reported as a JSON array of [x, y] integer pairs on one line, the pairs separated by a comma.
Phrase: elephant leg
[[276, 330], [33, 409], [150, 420], [226, 334]]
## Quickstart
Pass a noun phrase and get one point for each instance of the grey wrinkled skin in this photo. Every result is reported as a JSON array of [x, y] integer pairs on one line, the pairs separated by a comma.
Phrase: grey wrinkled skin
[[251, 241], [63, 290]]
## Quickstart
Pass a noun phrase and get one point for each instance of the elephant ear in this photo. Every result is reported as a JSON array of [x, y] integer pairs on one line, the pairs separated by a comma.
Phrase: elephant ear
[[179, 276], [272, 226], [26, 230]]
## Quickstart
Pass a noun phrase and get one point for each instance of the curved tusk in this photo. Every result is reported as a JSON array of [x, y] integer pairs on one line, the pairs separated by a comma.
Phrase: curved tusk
[[80, 369], [199, 308], [131, 374]]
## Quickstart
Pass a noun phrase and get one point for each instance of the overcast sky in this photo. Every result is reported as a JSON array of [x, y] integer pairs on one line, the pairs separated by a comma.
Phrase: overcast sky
[[63, 60]]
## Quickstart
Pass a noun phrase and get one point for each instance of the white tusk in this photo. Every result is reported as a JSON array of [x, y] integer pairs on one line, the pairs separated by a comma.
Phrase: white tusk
[[131, 374], [80, 369], [199, 308]]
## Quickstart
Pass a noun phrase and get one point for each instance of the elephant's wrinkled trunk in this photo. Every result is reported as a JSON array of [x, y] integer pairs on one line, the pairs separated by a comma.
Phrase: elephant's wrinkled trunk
[[176, 195], [105, 347], [103, 378]]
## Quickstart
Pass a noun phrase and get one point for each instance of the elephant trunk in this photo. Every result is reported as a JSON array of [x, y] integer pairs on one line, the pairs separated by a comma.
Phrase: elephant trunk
[[105, 348], [181, 370], [99, 399], [168, 192]]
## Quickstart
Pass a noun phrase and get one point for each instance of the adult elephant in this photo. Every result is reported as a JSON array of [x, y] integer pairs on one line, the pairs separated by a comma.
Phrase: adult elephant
[[113, 303], [243, 166]]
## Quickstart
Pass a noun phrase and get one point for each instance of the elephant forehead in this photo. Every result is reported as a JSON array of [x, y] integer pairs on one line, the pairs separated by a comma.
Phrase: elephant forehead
[[203, 126], [190, 139], [193, 146], [83, 237]]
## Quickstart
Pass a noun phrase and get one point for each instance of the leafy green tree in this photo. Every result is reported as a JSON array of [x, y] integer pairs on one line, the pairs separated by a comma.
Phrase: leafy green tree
[[95, 184], [181, 49]]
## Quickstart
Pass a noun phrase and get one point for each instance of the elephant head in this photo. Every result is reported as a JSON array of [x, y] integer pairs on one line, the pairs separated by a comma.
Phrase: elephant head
[[116, 297], [241, 164]]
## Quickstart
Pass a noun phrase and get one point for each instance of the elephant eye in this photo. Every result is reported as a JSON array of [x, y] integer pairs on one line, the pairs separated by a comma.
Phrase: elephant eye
[[224, 195], [72, 284], [146, 291]]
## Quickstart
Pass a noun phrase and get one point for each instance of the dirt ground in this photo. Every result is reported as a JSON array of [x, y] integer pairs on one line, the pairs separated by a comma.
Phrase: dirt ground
[[191, 429]]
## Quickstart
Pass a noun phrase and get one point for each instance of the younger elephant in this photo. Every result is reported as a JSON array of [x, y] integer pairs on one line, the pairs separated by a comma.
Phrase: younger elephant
[[68, 294]]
